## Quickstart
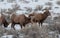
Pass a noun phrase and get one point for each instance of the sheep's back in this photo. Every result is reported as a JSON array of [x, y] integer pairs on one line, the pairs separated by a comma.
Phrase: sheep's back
[[38, 16], [21, 18]]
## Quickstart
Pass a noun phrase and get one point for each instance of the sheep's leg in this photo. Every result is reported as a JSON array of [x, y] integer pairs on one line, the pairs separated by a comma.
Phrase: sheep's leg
[[21, 26], [32, 21], [12, 26], [24, 25], [41, 23], [5, 24]]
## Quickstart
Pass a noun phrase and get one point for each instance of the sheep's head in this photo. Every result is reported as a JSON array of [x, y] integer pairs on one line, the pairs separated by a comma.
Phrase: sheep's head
[[47, 13]]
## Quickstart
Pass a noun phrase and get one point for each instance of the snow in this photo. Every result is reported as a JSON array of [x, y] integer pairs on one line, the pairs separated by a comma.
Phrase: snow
[[31, 4], [7, 36], [52, 32], [17, 27], [45, 24], [5, 6], [20, 12], [59, 36]]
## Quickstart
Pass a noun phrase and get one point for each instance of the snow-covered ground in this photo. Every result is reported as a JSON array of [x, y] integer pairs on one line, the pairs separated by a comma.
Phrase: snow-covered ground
[[29, 4], [32, 4], [7, 36]]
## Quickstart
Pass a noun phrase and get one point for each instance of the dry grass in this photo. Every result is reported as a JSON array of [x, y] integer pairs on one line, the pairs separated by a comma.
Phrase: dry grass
[[54, 27], [32, 32], [36, 32], [2, 31]]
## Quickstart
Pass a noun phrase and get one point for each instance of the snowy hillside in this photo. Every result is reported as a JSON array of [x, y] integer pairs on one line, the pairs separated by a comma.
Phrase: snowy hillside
[[31, 4], [50, 27], [26, 5]]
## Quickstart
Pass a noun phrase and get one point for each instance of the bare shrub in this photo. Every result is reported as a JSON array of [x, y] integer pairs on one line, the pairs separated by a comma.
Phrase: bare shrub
[[35, 32], [57, 19], [58, 2], [11, 32], [28, 9], [10, 1], [38, 7], [49, 8], [50, 0], [55, 27], [58, 27], [31, 32], [2, 31], [35, 0], [56, 7], [1, 0], [14, 36], [52, 27], [48, 3]]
